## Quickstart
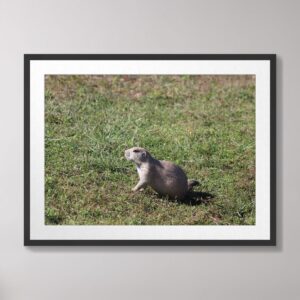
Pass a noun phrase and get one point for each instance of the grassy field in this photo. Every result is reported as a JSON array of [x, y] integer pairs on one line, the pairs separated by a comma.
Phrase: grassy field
[[205, 124]]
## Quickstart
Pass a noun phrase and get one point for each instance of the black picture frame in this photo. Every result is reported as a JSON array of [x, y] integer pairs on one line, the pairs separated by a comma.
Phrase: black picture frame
[[28, 241]]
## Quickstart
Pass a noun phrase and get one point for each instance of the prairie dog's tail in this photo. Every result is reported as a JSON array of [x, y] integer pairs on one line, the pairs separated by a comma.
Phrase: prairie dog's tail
[[192, 183]]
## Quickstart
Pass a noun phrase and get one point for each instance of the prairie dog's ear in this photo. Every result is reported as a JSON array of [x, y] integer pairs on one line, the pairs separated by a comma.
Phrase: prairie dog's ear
[[144, 154]]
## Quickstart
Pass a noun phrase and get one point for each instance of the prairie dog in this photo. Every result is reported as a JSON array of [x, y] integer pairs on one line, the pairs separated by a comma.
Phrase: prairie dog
[[163, 176]]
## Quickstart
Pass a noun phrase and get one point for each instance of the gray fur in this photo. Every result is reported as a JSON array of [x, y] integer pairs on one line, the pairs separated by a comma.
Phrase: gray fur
[[163, 176]]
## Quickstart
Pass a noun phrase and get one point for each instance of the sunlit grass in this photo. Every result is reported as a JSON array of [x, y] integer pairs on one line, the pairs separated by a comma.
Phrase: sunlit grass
[[203, 123]]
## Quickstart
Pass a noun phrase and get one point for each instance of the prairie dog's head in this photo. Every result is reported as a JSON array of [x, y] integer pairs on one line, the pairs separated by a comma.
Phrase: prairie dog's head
[[137, 155]]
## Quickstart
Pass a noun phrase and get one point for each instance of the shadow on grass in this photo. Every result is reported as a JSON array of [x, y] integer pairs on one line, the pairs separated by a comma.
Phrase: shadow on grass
[[197, 198], [193, 198]]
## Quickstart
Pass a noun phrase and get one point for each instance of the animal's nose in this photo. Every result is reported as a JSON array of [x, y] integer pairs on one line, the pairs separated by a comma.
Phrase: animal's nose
[[126, 153]]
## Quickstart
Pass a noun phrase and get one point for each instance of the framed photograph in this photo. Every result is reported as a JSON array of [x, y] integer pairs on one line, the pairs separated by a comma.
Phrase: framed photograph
[[150, 149]]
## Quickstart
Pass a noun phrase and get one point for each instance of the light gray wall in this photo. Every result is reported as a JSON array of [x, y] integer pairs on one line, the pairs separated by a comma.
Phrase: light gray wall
[[144, 26]]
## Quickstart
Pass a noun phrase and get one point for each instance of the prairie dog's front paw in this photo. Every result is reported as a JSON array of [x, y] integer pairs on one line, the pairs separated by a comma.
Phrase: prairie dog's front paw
[[137, 190]]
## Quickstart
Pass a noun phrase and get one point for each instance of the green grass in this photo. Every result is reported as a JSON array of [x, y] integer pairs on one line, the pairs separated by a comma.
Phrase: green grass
[[205, 124]]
